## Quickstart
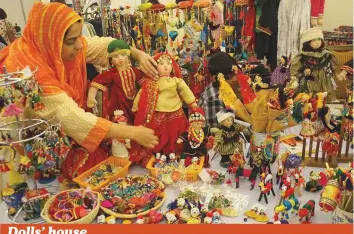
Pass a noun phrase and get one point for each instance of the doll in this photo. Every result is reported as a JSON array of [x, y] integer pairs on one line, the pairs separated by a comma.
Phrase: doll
[[216, 19], [158, 106], [346, 71], [325, 121], [281, 73], [313, 185], [227, 139], [307, 129], [302, 107], [121, 79], [315, 67], [120, 146], [195, 138]]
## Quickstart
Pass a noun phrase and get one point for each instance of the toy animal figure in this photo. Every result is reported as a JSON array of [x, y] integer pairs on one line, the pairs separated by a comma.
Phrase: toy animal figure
[[307, 211], [194, 219], [299, 184], [237, 167], [266, 186], [288, 205]]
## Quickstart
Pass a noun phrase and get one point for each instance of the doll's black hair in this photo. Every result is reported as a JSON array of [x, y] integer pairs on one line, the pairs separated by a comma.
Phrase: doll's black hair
[[322, 112], [283, 68], [306, 47], [221, 62]]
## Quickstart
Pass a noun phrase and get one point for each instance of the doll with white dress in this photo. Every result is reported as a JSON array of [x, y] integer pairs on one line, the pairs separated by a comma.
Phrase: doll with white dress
[[120, 146]]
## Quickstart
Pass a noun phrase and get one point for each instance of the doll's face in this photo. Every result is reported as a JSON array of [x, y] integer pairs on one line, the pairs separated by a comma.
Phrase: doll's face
[[316, 43], [197, 126], [120, 61], [228, 122], [164, 67], [282, 61]]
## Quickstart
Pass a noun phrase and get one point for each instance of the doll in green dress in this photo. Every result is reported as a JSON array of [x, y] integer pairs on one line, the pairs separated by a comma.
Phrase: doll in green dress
[[315, 67]]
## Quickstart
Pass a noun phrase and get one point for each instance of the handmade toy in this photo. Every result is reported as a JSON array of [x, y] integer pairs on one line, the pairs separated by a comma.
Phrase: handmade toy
[[317, 12], [302, 107], [12, 197], [237, 167], [33, 203], [195, 216], [100, 176], [331, 146], [307, 211], [216, 19], [159, 106], [219, 201], [195, 139], [121, 80], [72, 205], [227, 140], [120, 146], [290, 205], [281, 73], [313, 184], [266, 185], [101, 219], [262, 217], [110, 220], [315, 67], [129, 196]]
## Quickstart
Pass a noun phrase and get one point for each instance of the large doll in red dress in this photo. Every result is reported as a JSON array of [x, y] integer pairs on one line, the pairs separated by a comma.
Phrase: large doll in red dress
[[121, 79], [158, 106]]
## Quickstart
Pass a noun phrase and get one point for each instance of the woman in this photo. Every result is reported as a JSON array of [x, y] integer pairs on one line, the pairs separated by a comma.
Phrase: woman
[[7, 31], [60, 53]]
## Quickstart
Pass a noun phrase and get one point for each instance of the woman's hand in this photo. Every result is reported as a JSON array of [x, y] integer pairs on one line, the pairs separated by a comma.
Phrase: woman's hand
[[91, 102], [145, 137], [146, 63]]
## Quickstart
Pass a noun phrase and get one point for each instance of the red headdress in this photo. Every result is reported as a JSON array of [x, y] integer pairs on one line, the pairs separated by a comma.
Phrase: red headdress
[[197, 115], [175, 67]]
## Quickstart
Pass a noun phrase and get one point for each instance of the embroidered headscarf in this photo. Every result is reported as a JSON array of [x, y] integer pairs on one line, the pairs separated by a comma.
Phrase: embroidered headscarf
[[40, 47]]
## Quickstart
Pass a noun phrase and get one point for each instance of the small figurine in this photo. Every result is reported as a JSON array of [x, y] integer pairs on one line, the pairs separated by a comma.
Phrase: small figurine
[[227, 139], [194, 219], [281, 72], [33, 203], [252, 213], [208, 218], [262, 217], [307, 129], [331, 146], [171, 218], [315, 67], [237, 167], [313, 185], [299, 184], [288, 205], [101, 219], [111, 220], [266, 186], [307, 211], [216, 218], [195, 139], [140, 220], [120, 146], [173, 160], [194, 166], [280, 172]]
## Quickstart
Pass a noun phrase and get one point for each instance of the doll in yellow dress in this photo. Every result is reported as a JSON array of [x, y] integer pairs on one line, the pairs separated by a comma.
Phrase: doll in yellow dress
[[158, 106]]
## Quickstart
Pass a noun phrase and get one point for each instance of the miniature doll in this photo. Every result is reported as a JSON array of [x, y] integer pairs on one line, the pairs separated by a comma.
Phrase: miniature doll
[[171, 218], [237, 167], [325, 121], [262, 217], [195, 138], [120, 146], [121, 79], [194, 219], [227, 139], [101, 219], [317, 12], [331, 145], [302, 107], [346, 71], [111, 220], [216, 19], [158, 106], [252, 213], [209, 218], [307, 129], [173, 160], [312, 185], [216, 218], [281, 73], [316, 68]]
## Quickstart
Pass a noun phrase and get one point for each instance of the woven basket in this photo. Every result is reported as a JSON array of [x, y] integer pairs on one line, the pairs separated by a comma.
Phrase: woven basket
[[132, 216], [112, 161], [85, 220]]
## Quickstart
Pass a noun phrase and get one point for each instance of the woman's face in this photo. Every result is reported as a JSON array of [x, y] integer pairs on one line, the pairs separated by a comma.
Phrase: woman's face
[[120, 61], [316, 43], [72, 44], [164, 67]]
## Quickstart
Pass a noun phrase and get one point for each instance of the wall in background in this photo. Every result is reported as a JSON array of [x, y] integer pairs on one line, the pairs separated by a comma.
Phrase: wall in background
[[338, 13]]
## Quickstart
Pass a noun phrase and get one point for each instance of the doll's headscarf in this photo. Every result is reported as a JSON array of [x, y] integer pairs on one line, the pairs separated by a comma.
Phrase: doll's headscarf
[[40, 47], [150, 92]]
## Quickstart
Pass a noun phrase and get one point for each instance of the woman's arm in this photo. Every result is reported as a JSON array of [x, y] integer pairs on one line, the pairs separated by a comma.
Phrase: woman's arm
[[87, 129]]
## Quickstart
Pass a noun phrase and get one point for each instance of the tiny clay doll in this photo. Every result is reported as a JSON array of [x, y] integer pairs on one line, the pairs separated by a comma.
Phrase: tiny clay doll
[[158, 106], [195, 138], [281, 73], [227, 139], [120, 146], [315, 67], [121, 79]]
